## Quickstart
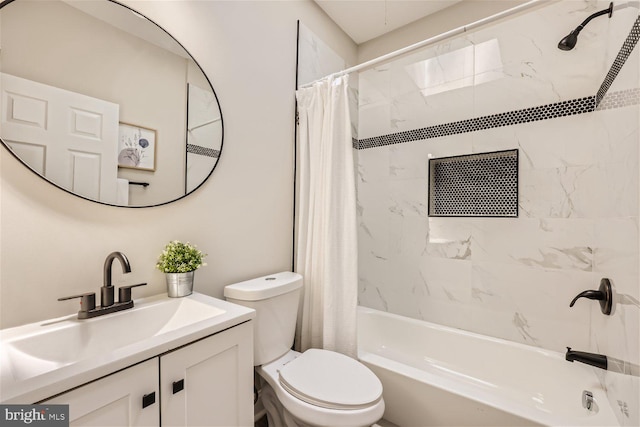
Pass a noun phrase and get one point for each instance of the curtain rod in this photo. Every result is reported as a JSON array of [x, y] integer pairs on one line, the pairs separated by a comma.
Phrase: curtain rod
[[435, 39]]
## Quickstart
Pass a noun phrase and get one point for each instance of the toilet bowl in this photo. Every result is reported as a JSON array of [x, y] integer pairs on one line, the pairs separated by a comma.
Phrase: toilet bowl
[[324, 388], [314, 388]]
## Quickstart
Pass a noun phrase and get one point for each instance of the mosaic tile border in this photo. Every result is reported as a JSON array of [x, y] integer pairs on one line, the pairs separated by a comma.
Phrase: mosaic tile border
[[542, 112], [620, 99], [601, 101], [202, 151], [621, 58]]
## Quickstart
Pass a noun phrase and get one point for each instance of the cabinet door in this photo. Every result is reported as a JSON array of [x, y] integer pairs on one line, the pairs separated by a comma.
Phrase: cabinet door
[[116, 400], [210, 382]]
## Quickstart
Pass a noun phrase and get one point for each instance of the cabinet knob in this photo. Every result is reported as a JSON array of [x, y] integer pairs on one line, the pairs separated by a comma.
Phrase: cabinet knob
[[148, 399], [178, 386]]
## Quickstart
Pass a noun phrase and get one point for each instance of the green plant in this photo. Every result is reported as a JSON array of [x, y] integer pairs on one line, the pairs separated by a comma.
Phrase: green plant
[[178, 257]]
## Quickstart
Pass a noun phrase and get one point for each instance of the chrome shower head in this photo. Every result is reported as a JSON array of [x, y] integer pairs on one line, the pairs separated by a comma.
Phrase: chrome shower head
[[569, 42]]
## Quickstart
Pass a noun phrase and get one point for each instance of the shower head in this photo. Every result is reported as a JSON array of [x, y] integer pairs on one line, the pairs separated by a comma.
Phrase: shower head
[[569, 42]]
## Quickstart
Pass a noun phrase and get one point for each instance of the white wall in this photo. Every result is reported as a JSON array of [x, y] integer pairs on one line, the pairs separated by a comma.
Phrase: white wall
[[53, 244]]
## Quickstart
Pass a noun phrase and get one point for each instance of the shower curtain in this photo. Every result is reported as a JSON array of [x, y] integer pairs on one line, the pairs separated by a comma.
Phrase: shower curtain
[[326, 245]]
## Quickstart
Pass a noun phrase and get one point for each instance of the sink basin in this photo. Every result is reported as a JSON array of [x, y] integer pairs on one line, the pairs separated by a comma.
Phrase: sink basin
[[39, 354], [71, 340]]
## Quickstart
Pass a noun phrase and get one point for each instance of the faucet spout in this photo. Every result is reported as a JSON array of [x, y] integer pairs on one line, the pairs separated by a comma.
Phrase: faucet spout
[[597, 360], [107, 293]]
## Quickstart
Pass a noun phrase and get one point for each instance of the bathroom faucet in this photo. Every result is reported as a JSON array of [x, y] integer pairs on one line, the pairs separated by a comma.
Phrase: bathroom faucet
[[107, 290], [88, 307], [597, 360]]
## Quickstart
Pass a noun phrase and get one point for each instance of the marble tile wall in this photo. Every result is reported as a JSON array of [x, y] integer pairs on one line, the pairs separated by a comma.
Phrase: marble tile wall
[[511, 278], [316, 60]]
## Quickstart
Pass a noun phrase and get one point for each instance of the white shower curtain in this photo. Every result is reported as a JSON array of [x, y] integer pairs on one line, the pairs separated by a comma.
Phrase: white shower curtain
[[326, 246]]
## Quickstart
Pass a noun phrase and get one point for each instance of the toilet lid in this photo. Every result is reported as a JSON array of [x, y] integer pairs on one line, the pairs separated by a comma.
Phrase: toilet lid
[[331, 380]]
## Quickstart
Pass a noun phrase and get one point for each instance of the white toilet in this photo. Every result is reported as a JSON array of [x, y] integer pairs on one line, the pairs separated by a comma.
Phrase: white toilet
[[317, 387]]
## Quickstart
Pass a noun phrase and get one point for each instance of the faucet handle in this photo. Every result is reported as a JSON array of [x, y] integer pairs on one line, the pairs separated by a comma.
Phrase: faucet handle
[[87, 301], [604, 294], [124, 292]]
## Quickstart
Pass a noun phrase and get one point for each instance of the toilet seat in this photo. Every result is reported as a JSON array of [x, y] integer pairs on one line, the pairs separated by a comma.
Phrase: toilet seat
[[312, 413], [330, 380]]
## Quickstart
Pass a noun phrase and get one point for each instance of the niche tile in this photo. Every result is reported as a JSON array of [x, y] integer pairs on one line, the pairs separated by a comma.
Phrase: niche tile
[[484, 184]]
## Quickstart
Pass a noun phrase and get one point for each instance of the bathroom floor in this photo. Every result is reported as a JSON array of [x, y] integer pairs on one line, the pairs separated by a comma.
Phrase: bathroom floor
[[262, 422]]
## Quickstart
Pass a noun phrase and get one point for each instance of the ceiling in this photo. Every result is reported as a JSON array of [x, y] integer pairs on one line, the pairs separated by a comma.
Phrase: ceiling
[[364, 20]]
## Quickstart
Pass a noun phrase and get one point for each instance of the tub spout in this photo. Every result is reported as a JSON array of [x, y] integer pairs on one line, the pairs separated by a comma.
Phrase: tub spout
[[597, 360]]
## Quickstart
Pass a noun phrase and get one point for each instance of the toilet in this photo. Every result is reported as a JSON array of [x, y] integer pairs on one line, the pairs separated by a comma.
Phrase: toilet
[[314, 388]]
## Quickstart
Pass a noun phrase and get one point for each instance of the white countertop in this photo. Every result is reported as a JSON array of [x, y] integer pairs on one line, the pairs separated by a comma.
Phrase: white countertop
[[27, 377]]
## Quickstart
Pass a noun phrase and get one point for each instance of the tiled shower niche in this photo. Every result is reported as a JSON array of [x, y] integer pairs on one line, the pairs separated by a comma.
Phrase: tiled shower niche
[[480, 185]]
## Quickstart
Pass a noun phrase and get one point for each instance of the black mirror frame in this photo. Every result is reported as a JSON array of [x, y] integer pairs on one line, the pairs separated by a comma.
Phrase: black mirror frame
[[4, 3]]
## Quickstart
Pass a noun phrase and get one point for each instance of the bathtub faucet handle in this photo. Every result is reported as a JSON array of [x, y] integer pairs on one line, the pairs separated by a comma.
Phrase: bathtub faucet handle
[[597, 295], [604, 294]]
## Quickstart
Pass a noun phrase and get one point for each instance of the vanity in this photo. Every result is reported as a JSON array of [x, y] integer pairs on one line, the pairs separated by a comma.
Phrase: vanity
[[166, 361]]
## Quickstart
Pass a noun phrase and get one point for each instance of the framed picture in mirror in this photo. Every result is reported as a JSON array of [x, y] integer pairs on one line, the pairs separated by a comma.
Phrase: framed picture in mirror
[[136, 147]]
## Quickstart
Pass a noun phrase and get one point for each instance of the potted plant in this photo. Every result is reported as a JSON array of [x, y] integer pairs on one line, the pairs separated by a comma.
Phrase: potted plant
[[179, 261]]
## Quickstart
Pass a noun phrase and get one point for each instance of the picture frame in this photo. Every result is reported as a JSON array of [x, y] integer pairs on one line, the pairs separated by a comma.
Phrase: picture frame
[[136, 147]]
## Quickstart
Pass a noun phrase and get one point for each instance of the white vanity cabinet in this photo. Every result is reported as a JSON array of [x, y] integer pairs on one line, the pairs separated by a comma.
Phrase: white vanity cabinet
[[115, 400], [208, 382]]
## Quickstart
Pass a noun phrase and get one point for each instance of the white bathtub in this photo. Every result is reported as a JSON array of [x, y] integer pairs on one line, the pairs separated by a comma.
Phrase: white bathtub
[[435, 376]]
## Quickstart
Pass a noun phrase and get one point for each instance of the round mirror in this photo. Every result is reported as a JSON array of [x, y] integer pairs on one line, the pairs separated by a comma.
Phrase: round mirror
[[103, 103]]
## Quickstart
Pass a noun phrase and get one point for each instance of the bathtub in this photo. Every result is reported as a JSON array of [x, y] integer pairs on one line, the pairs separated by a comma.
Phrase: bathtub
[[435, 376]]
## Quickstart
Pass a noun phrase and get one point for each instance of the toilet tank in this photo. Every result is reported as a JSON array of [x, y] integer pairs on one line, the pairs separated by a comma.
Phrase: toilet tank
[[275, 299]]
